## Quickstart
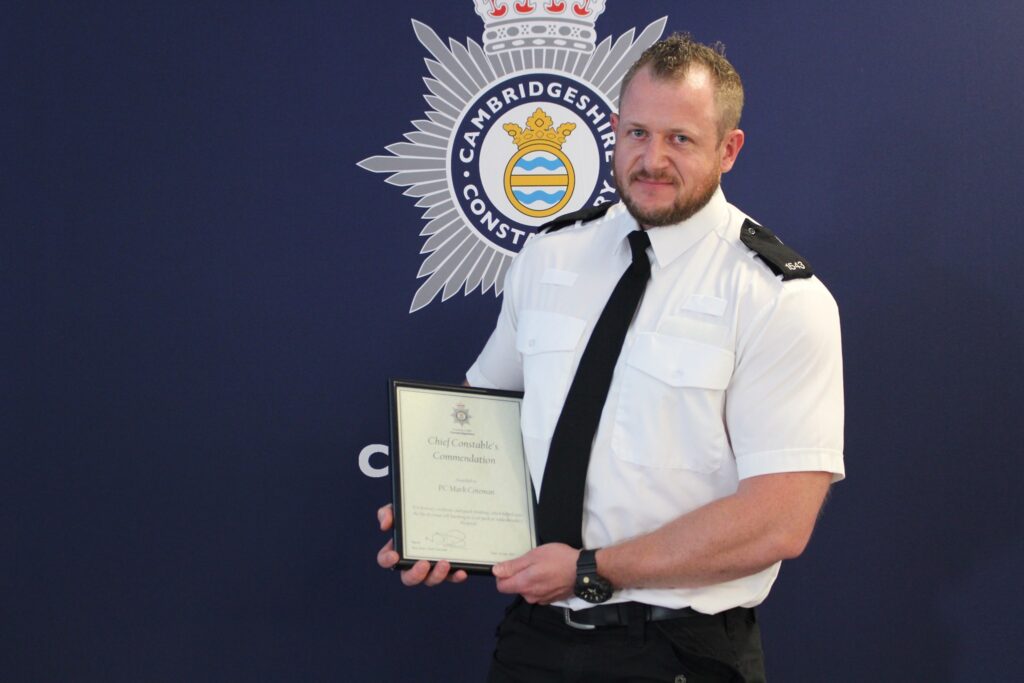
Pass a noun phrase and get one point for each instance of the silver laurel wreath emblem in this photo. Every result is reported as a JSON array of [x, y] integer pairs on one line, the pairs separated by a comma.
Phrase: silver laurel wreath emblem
[[518, 131]]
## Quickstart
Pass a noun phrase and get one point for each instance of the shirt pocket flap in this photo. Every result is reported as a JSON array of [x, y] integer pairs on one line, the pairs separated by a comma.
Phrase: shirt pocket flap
[[543, 332], [682, 362], [708, 305]]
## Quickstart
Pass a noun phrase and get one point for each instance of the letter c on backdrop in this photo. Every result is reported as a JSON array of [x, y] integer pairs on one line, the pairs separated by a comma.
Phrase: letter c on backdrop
[[364, 461]]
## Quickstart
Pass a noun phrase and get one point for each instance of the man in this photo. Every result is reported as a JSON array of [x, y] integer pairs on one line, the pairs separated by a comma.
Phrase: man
[[722, 428]]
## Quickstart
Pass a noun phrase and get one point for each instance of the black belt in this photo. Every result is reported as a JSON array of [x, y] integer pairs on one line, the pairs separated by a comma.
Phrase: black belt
[[617, 614]]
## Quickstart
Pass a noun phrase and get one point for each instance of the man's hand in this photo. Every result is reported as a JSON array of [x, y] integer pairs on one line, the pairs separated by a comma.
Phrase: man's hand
[[543, 575], [419, 573]]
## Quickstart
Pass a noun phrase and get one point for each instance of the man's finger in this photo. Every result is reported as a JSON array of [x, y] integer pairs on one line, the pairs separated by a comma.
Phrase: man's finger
[[385, 516], [507, 586], [438, 574], [415, 574], [387, 557], [504, 570]]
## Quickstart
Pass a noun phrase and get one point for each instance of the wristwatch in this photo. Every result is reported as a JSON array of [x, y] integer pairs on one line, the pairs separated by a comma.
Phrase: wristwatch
[[590, 585]]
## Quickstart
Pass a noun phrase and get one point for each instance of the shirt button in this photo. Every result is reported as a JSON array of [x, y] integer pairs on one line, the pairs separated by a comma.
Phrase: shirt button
[[531, 343]]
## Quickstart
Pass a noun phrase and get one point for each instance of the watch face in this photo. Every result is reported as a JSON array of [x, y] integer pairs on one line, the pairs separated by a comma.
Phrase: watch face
[[593, 588]]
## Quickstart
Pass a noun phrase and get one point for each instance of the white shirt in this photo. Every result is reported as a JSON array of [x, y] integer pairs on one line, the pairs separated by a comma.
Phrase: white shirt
[[726, 372]]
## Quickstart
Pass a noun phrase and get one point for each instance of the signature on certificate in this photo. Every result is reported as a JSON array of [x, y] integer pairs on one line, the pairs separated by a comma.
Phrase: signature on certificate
[[448, 539]]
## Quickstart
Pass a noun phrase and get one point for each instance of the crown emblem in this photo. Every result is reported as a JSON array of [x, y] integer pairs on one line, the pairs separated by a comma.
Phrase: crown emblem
[[539, 178], [539, 131], [518, 24]]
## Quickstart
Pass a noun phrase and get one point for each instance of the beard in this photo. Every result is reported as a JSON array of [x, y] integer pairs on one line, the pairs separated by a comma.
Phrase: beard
[[681, 209]]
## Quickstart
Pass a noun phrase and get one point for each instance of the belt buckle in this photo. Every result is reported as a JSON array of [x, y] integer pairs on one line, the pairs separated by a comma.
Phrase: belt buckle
[[567, 614]]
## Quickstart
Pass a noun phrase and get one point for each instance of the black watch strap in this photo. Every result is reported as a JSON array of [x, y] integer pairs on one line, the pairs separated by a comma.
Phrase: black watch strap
[[587, 562], [590, 585]]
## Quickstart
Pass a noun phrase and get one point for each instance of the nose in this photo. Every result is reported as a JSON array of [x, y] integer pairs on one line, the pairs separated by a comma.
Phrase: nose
[[654, 154]]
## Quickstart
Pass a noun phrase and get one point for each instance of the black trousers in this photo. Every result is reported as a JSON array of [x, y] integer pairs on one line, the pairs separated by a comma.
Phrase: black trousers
[[535, 645]]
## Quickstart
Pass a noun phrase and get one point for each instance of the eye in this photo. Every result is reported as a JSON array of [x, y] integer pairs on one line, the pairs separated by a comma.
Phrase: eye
[[637, 133], [680, 138]]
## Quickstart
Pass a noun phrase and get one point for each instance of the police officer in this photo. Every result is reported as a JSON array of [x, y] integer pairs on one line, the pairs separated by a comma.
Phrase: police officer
[[722, 428]]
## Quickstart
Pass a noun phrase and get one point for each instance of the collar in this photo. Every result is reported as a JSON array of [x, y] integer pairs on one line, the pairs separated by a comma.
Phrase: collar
[[669, 242]]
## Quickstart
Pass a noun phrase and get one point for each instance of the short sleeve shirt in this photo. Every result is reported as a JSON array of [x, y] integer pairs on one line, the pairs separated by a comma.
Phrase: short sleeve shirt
[[726, 372]]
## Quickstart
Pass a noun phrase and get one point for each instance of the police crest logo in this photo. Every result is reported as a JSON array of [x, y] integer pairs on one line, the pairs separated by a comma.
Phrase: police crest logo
[[460, 414], [519, 131], [540, 146]]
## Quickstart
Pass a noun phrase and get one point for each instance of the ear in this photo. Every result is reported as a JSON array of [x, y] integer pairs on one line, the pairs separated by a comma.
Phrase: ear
[[615, 122], [731, 145]]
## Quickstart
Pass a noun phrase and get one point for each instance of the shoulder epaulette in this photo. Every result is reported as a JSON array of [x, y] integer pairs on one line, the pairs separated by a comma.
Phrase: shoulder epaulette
[[583, 215], [780, 258]]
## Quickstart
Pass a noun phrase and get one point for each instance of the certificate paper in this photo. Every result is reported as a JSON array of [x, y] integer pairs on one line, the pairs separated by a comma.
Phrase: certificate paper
[[462, 490]]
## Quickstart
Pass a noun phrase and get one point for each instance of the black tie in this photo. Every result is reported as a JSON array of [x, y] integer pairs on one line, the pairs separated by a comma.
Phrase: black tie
[[560, 513]]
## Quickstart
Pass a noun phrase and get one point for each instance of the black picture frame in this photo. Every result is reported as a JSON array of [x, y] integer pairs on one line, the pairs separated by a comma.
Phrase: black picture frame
[[514, 461]]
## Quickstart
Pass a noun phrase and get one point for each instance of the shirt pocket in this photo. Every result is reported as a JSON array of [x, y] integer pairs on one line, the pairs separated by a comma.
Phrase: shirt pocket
[[671, 408], [547, 342]]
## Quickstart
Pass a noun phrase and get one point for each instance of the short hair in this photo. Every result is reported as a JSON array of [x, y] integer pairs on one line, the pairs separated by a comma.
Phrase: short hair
[[672, 57]]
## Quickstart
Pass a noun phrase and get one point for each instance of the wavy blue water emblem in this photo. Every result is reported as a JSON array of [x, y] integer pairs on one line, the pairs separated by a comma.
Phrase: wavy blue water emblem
[[549, 198], [539, 162]]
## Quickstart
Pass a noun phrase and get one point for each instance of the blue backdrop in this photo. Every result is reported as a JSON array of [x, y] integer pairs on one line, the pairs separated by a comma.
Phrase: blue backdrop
[[203, 296]]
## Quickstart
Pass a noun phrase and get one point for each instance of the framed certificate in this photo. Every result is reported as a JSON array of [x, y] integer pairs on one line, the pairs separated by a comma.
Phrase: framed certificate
[[461, 485]]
